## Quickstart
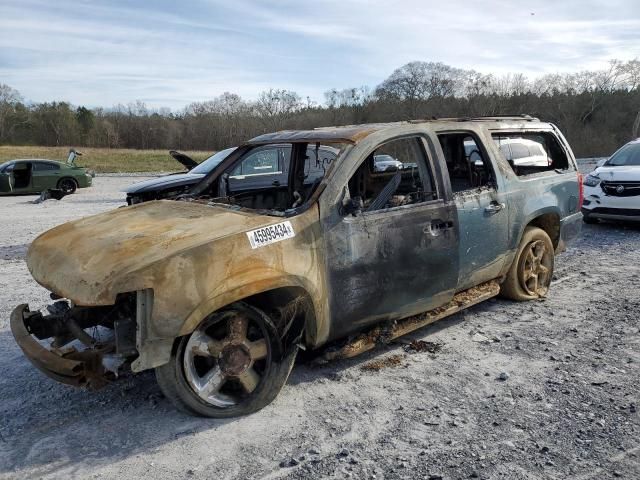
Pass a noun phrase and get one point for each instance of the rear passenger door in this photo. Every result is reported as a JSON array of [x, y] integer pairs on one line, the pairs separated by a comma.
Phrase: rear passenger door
[[482, 208], [45, 175]]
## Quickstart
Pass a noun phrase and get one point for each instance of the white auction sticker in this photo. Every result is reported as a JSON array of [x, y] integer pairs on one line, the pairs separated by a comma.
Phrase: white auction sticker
[[271, 234]]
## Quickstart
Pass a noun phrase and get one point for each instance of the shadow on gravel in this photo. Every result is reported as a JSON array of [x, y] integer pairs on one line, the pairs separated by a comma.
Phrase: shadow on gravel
[[308, 369], [13, 252], [49, 427]]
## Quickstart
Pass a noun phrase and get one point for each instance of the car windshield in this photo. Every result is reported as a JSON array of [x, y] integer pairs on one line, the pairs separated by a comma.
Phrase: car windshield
[[4, 166], [627, 155], [213, 161]]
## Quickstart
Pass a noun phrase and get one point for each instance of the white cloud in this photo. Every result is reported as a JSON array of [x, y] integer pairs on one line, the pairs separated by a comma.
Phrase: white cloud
[[169, 54]]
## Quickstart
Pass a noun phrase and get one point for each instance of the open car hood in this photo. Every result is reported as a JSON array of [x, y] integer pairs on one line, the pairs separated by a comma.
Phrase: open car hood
[[185, 160], [92, 259]]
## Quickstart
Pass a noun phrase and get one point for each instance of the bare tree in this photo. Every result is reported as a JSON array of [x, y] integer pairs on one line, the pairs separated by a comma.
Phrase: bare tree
[[9, 98], [275, 107]]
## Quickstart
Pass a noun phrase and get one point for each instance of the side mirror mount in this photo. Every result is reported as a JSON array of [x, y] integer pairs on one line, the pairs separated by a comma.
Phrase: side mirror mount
[[352, 206]]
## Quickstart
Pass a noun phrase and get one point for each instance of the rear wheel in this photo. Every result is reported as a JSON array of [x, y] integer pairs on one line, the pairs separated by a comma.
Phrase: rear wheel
[[67, 185], [231, 365], [530, 274]]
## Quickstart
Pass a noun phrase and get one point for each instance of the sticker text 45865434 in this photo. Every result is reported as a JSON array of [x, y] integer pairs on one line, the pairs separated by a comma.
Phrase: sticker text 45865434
[[271, 234]]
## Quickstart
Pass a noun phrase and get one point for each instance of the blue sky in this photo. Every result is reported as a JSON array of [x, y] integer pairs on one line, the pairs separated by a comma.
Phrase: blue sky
[[170, 53]]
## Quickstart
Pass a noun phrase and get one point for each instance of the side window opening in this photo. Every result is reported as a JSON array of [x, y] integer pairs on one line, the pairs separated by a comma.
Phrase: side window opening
[[41, 166], [467, 165], [317, 162], [532, 152], [260, 162], [397, 173]]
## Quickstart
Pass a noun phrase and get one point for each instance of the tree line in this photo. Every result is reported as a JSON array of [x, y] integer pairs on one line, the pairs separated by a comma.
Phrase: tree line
[[597, 110]]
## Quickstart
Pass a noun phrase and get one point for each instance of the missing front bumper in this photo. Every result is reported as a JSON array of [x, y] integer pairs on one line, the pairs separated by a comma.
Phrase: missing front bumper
[[68, 365]]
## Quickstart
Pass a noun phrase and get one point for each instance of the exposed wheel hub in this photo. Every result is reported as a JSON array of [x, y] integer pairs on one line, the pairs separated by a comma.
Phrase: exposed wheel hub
[[234, 360], [226, 359]]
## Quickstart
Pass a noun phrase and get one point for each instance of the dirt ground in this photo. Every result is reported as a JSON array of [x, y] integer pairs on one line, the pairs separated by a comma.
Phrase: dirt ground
[[546, 389]]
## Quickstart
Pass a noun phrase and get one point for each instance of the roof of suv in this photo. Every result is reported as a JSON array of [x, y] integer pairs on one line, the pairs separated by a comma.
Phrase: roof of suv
[[355, 133]]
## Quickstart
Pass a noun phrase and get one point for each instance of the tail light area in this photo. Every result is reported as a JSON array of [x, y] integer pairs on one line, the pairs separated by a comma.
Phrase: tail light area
[[580, 190]]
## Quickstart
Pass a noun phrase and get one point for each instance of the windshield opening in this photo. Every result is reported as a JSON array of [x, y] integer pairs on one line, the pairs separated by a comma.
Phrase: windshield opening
[[272, 178], [627, 155]]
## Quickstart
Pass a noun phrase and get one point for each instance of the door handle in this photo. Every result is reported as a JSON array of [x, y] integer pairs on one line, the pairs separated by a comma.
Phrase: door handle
[[494, 207], [276, 183], [437, 226]]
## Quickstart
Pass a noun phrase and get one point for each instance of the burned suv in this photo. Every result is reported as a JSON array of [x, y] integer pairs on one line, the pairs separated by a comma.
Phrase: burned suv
[[218, 289]]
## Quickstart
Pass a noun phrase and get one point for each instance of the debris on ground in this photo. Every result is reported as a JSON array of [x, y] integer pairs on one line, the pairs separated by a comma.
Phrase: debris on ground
[[419, 346], [479, 338], [51, 193], [377, 365]]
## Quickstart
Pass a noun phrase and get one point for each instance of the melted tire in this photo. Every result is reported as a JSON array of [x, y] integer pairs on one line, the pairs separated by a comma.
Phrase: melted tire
[[512, 287], [172, 379]]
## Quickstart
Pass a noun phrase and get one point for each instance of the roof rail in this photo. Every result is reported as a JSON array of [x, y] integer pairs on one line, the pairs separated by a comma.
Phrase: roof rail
[[497, 118], [493, 118]]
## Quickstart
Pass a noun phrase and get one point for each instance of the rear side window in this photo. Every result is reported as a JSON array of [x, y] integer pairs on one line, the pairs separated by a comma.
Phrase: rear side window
[[532, 152], [466, 163], [42, 166]]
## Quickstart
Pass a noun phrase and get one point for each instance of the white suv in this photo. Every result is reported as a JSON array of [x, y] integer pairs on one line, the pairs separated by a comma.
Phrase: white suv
[[612, 191]]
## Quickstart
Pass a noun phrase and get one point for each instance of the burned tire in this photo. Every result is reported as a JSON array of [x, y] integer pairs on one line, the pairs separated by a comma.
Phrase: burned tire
[[233, 364], [67, 185], [530, 274]]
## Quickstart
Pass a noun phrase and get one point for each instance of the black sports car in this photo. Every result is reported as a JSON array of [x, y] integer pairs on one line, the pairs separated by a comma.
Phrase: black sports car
[[266, 166]]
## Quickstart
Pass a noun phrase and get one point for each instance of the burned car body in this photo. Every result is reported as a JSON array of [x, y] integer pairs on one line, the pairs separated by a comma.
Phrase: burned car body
[[218, 289]]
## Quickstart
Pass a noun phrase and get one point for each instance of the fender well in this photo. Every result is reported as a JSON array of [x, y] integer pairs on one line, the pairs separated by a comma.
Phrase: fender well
[[550, 223], [292, 311], [291, 308]]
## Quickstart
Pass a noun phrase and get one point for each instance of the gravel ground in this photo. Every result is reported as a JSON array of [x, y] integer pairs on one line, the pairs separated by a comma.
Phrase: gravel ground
[[545, 389]]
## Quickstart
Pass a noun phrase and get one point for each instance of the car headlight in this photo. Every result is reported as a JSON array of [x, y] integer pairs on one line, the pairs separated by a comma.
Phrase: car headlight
[[591, 181]]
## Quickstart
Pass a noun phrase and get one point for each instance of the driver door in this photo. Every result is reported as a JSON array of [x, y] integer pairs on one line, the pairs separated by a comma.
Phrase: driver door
[[396, 260], [20, 177]]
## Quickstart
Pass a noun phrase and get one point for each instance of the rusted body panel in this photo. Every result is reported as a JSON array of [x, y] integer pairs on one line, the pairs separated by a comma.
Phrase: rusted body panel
[[196, 258]]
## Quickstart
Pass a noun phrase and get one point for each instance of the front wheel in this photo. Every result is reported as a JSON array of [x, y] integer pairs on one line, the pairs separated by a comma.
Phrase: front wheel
[[530, 274], [231, 365]]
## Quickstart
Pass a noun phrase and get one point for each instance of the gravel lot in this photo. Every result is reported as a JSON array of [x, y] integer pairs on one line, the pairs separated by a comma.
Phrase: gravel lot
[[566, 406]]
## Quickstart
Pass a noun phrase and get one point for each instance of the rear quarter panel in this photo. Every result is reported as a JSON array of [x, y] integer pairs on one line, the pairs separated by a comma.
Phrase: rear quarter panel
[[529, 197]]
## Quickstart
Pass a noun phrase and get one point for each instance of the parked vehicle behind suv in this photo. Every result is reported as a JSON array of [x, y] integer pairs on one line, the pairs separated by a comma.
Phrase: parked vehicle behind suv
[[35, 175], [612, 190], [273, 168], [175, 183], [217, 291]]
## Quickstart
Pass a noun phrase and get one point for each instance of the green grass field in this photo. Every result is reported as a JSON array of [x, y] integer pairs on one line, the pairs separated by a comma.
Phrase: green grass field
[[105, 160]]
